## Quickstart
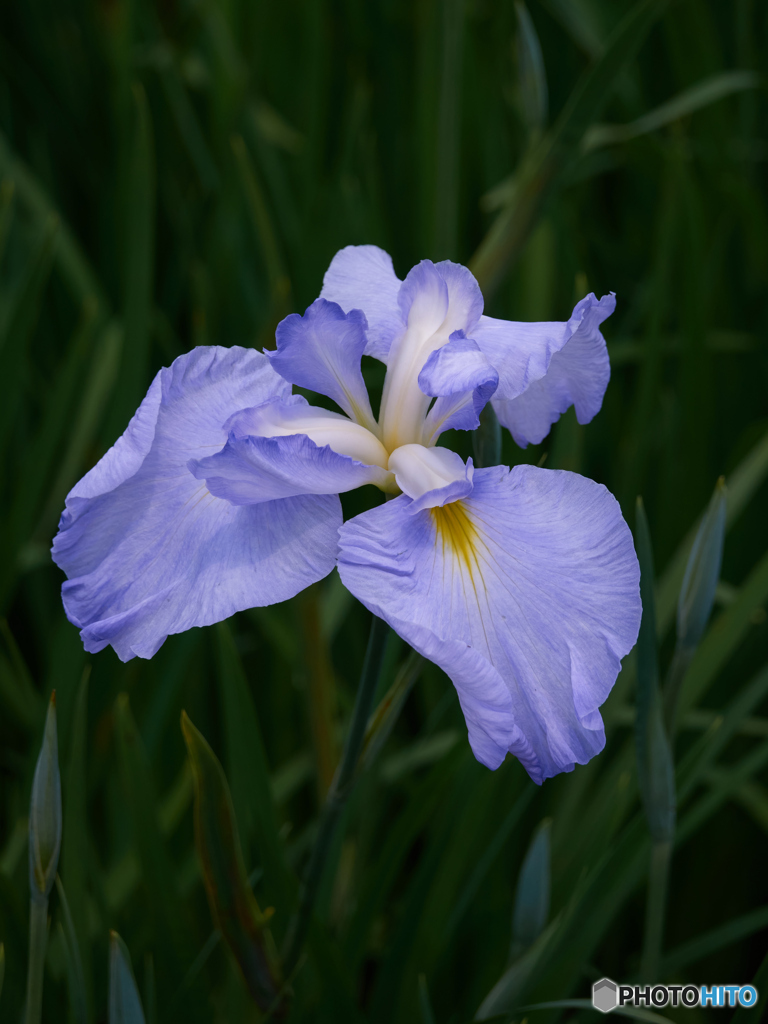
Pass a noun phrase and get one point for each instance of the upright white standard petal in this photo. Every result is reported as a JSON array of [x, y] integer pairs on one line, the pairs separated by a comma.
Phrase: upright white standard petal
[[436, 300], [295, 415]]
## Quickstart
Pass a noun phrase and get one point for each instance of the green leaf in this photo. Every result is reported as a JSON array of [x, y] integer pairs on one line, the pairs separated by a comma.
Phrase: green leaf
[[655, 766], [18, 695], [69, 256], [385, 715], [506, 993], [539, 171], [234, 909], [94, 399], [74, 853], [166, 911], [486, 440], [635, 1013], [2, 966], [124, 1001], [75, 975], [724, 636], [705, 92], [279, 282], [697, 596], [532, 79], [138, 273], [697, 593], [712, 941], [531, 909], [743, 483], [249, 771], [747, 1014]]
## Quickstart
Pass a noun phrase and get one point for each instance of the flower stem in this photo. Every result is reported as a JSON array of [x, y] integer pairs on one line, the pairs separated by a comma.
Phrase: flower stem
[[38, 938], [338, 794], [655, 910]]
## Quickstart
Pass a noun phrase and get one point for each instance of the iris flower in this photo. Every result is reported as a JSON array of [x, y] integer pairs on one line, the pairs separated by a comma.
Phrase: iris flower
[[222, 494]]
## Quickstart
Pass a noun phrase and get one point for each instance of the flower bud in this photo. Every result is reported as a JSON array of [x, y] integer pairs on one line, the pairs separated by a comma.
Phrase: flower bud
[[45, 812]]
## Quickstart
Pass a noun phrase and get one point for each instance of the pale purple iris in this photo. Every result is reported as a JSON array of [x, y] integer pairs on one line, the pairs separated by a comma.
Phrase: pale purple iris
[[522, 584]]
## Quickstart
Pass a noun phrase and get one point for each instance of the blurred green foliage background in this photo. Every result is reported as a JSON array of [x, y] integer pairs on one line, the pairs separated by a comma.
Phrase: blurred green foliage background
[[181, 173]]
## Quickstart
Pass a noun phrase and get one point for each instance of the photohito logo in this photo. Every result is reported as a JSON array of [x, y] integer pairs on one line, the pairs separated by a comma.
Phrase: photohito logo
[[607, 995]]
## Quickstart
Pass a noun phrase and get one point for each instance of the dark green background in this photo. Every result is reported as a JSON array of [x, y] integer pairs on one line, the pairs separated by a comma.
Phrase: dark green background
[[181, 173]]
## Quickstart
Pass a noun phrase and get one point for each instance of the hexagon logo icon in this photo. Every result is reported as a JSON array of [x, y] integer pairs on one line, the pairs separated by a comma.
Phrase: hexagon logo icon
[[605, 995]]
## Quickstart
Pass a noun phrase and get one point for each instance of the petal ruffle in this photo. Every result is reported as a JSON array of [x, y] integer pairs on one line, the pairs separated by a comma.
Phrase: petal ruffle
[[251, 469], [362, 277], [544, 368], [463, 379], [149, 552], [526, 593], [321, 351]]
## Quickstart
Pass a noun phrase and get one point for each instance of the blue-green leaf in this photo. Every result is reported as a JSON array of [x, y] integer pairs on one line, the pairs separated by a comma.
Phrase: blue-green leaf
[[531, 909]]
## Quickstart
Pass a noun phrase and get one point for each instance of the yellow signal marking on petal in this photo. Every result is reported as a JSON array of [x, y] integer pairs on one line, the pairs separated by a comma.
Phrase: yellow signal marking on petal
[[456, 531]]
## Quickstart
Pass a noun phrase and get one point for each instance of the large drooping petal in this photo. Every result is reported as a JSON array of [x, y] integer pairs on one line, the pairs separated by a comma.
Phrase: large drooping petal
[[321, 351], [362, 277], [149, 552], [254, 469], [463, 379], [544, 368], [526, 593]]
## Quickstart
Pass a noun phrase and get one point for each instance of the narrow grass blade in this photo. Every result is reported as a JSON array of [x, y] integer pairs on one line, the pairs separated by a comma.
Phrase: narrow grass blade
[[279, 282], [233, 905], [712, 941], [124, 1002], [166, 910], [382, 721], [654, 757], [425, 1003], [708, 91], [531, 909], [7, 196], [489, 855], [18, 695], [2, 966], [634, 1013], [506, 993], [74, 853], [451, 13], [533, 96], [697, 596], [743, 483], [249, 772], [75, 269], [724, 636], [138, 274], [486, 440], [87, 417], [75, 976], [703, 754], [747, 1014], [697, 593], [538, 173]]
